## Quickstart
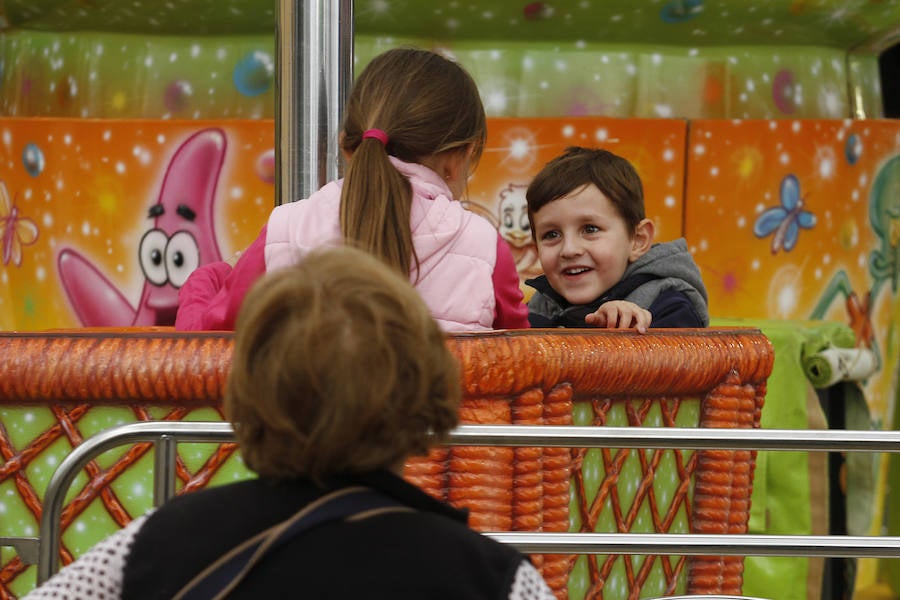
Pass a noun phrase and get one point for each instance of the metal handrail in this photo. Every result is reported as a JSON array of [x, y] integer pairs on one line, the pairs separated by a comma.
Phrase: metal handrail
[[83, 453], [707, 597], [26, 547], [685, 438], [700, 544], [168, 433]]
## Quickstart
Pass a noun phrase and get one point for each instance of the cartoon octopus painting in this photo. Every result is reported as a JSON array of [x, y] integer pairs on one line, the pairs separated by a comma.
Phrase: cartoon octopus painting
[[884, 261], [180, 237]]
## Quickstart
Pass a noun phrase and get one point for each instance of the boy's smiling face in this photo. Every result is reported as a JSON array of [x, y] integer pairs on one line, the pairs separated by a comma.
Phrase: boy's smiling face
[[584, 244]]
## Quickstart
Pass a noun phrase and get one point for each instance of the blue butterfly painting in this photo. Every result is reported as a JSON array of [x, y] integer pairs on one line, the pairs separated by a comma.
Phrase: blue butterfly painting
[[784, 222]]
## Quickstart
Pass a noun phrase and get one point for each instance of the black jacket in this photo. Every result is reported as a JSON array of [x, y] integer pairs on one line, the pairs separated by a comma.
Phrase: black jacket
[[428, 553]]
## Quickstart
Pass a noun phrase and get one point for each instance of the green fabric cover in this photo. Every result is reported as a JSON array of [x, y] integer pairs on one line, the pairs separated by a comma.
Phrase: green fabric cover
[[783, 501]]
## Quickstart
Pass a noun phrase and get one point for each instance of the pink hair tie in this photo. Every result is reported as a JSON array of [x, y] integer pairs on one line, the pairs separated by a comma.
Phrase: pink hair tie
[[377, 134]]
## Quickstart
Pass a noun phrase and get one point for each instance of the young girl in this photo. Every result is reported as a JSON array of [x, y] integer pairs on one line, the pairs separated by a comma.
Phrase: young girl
[[414, 128]]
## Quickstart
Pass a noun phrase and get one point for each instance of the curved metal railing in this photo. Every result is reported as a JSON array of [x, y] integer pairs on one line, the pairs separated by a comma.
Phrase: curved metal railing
[[167, 434]]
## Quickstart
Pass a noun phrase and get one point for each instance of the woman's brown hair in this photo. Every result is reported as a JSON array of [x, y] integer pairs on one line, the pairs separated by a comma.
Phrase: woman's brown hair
[[338, 367], [427, 105]]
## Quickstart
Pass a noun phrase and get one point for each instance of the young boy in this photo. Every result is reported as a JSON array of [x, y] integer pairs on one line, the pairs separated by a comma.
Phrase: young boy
[[601, 267]]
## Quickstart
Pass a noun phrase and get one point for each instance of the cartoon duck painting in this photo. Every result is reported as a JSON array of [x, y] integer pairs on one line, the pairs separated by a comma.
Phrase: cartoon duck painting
[[180, 238], [512, 222], [516, 230]]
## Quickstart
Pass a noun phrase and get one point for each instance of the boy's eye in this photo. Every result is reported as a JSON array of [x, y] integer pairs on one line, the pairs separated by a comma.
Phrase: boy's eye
[[591, 229], [549, 235]]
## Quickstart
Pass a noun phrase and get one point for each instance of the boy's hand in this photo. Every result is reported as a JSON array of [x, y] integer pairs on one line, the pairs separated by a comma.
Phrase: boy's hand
[[620, 314]]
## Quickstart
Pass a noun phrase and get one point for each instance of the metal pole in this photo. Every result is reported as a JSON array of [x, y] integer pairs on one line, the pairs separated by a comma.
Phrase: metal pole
[[857, 57], [165, 458], [82, 454], [696, 544], [539, 436], [685, 438], [314, 45]]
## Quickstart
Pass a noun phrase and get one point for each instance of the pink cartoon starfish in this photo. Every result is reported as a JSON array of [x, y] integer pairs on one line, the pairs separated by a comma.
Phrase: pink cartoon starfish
[[181, 238]]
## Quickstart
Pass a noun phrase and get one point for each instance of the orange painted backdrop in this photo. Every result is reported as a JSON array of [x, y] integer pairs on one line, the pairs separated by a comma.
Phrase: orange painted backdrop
[[86, 187], [842, 265]]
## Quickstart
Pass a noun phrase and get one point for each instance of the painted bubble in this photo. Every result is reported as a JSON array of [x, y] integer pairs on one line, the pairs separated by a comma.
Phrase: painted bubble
[[582, 101], [730, 282], [783, 91], [177, 96], [849, 235], [253, 75], [534, 11], [678, 11], [852, 148], [33, 159], [265, 166]]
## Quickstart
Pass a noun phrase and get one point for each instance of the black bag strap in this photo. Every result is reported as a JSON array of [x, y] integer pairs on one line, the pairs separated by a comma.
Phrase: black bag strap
[[221, 577]]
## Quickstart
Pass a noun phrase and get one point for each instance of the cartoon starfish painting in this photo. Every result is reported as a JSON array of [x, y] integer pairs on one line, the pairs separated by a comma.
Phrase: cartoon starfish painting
[[180, 238]]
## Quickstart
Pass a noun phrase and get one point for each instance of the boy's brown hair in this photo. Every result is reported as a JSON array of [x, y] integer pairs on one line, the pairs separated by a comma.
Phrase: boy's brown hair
[[338, 367], [578, 167], [427, 105]]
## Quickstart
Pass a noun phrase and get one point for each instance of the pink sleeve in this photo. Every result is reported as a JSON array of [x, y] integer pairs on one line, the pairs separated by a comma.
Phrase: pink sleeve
[[510, 312], [212, 295]]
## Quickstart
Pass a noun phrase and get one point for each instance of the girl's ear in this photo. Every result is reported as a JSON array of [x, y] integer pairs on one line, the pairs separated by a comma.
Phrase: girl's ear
[[642, 239], [453, 167], [454, 164]]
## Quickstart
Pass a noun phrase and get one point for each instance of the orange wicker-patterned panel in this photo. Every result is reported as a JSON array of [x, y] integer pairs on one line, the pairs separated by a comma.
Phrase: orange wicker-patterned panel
[[99, 480], [189, 369], [526, 377], [481, 477], [724, 482], [519, 489], [623, 516], [556, 483], [114, 367], [528, 470], [660, 363]]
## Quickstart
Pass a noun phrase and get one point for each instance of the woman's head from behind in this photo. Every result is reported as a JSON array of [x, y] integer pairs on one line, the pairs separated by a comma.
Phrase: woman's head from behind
[[338, 368]]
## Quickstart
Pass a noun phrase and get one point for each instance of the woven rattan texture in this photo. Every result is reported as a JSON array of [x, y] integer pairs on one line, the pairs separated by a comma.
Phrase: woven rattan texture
[[527, 377]]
